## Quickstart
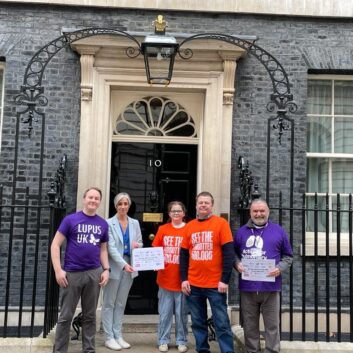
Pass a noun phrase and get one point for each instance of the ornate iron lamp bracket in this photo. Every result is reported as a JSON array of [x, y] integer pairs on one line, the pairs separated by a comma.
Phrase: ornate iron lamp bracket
[[281, 98], [32, 91]]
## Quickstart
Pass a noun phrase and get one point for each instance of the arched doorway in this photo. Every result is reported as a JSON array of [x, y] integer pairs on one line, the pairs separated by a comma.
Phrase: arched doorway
[[153, 173], [106, 71]]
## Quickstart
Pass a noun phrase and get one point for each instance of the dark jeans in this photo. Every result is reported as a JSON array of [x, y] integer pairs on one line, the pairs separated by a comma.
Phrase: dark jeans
[[197, 302]]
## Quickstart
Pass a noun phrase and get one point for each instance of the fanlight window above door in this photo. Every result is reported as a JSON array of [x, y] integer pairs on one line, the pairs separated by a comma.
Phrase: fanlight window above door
[[155, 116]]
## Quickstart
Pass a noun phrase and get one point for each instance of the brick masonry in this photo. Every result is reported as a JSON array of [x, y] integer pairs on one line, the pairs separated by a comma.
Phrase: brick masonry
[[298, 43]]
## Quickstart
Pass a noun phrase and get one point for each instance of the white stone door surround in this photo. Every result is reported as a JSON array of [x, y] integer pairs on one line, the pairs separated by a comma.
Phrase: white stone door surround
[[208, 77]]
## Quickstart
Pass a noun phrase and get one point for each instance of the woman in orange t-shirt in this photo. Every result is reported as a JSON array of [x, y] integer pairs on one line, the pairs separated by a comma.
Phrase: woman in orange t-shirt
[[170, 297]]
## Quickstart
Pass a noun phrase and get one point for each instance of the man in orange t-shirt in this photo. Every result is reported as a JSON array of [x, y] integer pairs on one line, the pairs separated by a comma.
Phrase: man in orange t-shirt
[[206, 261]]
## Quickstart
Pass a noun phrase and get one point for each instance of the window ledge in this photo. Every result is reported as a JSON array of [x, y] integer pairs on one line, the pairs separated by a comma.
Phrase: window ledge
[[321, 244]]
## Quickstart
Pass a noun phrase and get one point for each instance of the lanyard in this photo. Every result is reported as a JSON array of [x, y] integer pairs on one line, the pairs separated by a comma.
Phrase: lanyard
[[258, 239], [126, 239]]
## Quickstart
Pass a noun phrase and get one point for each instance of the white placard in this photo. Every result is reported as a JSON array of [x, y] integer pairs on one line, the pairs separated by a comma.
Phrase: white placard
[[257, 269], [144, 259]]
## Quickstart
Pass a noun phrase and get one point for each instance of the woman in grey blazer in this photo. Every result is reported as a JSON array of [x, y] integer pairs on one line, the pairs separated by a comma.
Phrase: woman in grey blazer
[[124, 236]]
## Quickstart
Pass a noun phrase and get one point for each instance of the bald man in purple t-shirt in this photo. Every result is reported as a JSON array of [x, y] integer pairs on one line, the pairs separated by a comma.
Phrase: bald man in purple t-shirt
[[85, 270]]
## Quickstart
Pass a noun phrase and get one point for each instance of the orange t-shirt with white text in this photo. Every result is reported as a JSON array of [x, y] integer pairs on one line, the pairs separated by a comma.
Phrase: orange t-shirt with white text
[[170, 239], [204, 240]]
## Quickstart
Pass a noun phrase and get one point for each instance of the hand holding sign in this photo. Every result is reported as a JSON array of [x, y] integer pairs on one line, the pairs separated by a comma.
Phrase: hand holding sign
[[144, 259]]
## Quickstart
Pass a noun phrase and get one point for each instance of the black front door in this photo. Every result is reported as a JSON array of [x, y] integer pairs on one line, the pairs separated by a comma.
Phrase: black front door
[[153, 175]]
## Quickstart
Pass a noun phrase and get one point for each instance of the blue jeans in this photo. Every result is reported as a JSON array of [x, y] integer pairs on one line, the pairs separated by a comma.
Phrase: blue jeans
[[170, 302], [197, 302]]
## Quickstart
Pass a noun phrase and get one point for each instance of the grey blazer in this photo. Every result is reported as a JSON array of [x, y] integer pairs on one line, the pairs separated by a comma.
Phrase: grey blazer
[[116, 245]]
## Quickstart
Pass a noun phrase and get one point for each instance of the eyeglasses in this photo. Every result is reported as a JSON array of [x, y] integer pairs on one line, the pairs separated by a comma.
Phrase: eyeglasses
[[176, 211]]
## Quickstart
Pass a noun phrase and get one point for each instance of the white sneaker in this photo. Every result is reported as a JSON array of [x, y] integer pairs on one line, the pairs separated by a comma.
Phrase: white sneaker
[[123, 343], [163, 348], [112, 344], [182, 348]]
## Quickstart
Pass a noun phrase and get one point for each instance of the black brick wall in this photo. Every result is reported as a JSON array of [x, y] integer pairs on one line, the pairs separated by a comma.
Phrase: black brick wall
[[298, 43]]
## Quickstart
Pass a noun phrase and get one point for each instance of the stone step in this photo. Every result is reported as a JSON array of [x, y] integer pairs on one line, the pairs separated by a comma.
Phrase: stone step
[[142, 323], [140, 328]]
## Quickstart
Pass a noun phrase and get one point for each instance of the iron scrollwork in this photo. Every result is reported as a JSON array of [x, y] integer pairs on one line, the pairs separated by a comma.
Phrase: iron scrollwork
[[281, 98], [32, 92], [56, 193], [248, 190], [246, 181]]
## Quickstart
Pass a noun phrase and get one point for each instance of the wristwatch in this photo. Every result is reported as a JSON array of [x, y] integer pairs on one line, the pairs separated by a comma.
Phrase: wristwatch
[[107, 269]]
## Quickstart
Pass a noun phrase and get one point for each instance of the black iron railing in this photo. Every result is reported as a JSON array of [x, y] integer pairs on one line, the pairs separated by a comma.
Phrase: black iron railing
[[29, 294], [317, 293], [51, 310], [317, 296]]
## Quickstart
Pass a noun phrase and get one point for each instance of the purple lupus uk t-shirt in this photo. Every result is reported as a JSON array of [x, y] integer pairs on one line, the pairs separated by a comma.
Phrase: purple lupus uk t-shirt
[[84, 235], [270, 242]]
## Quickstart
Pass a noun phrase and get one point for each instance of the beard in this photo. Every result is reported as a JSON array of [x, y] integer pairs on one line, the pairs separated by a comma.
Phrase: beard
[[260, 221]]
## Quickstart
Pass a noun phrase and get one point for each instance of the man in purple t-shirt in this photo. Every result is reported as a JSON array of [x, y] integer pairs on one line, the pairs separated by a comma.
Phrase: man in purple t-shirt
[[263, 242], [85, 270]]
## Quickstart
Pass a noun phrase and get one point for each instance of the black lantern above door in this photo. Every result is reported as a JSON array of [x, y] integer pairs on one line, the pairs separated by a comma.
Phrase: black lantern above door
[[159, 53]]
